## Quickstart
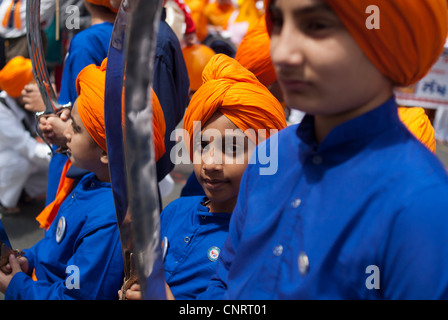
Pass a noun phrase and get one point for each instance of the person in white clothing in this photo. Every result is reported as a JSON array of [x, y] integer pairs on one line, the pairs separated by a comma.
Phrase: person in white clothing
[[23, 159], [13, 25]]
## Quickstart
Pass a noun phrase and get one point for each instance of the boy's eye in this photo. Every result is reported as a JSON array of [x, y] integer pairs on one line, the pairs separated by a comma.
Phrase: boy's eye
[[231, 149], [76, 129], [200, 145], [316, 25], [276, 21]]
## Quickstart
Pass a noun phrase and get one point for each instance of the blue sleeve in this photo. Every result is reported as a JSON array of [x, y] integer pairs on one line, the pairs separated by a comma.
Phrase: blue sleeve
[[77, 59], [98, 262], [422, 224], [171, 85]]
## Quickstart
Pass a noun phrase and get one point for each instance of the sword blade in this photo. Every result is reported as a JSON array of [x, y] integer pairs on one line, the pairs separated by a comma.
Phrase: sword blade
[[37, 56], [139, 147]]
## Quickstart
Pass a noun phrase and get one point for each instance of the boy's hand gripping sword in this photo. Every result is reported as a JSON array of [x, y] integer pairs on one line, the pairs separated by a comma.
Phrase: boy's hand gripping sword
[[40, 70]]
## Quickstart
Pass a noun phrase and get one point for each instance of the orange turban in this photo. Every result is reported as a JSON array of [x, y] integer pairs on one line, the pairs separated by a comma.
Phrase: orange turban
[[410, 38], [254, 53], [418, 124], [104, 3], [237, 94], [196, 58], [15, 75], [90, 86], [158, 121], [218, 15]]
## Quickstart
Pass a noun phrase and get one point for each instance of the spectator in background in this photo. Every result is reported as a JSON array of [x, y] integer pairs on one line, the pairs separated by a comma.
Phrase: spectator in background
[[23, 159]]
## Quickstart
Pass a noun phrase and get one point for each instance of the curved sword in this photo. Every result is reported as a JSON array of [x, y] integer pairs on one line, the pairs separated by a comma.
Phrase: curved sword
[[114, 135], [40, 70], [139, 147]]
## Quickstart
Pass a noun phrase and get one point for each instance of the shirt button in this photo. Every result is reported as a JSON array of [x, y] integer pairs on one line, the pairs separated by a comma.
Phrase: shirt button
[[73, 196], [296, 203], [186, 239], [317, 160], [278, 250], [304, 264]]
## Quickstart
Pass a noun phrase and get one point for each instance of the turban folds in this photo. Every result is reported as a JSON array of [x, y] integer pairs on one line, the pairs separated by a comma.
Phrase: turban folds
[[90, 86], [15, 75], [219, 14], [254, 53], [104, 3], [231, 89], [158, 120], [419, 125], [410, 37]]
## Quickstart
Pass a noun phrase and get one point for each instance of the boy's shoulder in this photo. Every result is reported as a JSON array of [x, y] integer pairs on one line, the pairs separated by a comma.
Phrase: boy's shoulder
[[180, 209], [97, 197]]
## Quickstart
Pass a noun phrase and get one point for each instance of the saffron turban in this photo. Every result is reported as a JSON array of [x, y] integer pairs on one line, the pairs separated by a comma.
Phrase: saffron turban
[[231, 89], [419, 125], [254, 53], [90, 86], [196, 58], [104, 3], [158, 120], [409, 40], [15, 75], [219, 14]]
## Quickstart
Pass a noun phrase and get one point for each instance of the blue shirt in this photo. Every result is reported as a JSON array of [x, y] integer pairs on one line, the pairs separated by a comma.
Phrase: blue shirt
[[89, 46], [82, 241], [171, 85], [195, 238], [368, 206]]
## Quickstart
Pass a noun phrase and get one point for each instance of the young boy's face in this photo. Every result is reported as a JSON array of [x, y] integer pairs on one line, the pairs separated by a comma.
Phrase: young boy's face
[[320, 67], [82, 149], [220, 158]]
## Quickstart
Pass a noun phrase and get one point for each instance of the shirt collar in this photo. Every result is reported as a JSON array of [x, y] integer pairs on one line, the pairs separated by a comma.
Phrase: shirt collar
[[359, 129], [203, 211]]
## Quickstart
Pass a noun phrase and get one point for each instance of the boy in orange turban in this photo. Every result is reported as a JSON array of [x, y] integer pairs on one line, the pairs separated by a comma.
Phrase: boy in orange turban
[[23, 159], [228, 115], [357, 207], [85, 219]]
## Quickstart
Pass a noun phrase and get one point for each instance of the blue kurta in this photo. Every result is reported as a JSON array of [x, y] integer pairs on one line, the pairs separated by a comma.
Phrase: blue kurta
[[90, 46], [87, 244], [171, 85], [195, 238], [368, 206]]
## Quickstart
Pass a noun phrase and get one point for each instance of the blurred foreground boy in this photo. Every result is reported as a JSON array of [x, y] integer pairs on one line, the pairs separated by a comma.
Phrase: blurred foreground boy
[[358, 206]]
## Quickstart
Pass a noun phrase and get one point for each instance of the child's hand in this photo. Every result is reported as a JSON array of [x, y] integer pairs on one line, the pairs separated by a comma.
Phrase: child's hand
[[53, 127], [13, 267], [32, 98], [133, 293]]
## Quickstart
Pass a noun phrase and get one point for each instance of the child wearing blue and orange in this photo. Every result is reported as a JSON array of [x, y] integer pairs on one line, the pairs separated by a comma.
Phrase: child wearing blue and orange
[[357, 208], [80, 256]]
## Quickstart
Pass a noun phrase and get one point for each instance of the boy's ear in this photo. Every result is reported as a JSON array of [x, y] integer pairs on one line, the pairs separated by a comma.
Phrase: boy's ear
[[104, 158]]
